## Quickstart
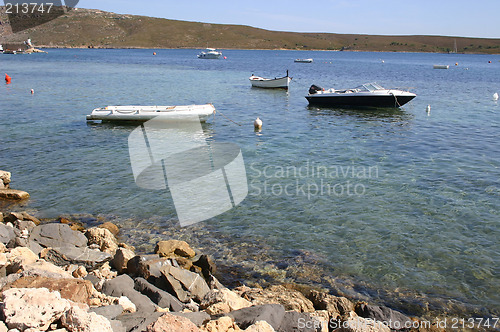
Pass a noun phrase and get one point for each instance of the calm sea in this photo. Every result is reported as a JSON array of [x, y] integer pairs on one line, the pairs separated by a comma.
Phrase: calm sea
[[399, 207]]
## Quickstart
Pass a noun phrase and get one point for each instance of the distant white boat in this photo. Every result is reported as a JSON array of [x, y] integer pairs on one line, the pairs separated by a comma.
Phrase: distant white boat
[[276, 83], [210, 53], [304, 60], [145, 113], [441, 66]]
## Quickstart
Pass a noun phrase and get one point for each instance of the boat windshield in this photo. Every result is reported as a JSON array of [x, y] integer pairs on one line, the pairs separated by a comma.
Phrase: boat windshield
[[370, 87]]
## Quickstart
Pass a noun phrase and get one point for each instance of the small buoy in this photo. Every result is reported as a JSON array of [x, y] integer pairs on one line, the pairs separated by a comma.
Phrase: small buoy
[[257, 123], [489, 61], [495, 96], [32, 91], [225, 57], [383, 61], [428, 109], [154, 53], [8, 79], [456, 63]]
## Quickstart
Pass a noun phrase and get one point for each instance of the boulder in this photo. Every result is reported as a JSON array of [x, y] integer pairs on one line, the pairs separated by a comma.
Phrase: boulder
[[322, 318], [222, 324], [289, 298], [207, 266], [123, 285], [158, 296], [336, 306], [19, 258], [43, 268], [299, 321], [185, 285], [271, 313], [149, 268], [37, 308], [24, 225], [76, 290], [395, 319], [134, 264], [77, 319], [4, 179], [12, 194], [260, 326], [7, 235], [169, 322], [29, 217], [103, 238], [110, 227], [12, 217], [138, 322], [223, 301], [172, 248], [199, 318], [108, 311], [91, 259], [57, 235], [121, 258]]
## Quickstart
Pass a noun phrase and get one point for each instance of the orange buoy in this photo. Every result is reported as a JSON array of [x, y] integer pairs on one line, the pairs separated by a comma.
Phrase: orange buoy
[[154, 53], [8, 79]]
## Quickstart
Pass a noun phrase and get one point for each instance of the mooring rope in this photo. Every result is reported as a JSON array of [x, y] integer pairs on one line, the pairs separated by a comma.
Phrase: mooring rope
[[228, 118]]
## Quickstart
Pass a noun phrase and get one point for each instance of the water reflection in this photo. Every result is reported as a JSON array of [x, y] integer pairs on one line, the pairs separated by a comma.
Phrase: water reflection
[[371, 114]]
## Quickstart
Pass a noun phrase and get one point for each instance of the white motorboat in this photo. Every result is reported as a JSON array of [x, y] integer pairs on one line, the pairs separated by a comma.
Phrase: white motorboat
[[366, 95], [210, 53], [304, 60], [440, 66], [271, 83], [145, 113]]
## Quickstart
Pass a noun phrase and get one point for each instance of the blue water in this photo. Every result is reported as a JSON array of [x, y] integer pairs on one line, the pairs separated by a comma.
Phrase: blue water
[[413, 216]]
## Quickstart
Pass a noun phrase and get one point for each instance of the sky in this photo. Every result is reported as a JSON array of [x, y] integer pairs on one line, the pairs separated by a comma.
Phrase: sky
[[464, 18]]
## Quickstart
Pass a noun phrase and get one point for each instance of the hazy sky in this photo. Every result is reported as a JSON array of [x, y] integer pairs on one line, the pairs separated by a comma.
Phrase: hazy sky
[[468, 18]]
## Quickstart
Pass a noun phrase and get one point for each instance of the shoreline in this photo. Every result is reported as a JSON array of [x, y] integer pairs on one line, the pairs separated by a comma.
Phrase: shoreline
[[260, 285]]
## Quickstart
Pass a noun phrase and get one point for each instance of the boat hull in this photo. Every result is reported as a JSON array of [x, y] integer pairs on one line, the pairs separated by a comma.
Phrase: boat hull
[[146, 113], [209, 56], [277, 83], [360, 101]]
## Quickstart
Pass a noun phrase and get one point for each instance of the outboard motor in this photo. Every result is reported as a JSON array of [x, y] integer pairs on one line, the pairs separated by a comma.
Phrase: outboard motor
[[314, 88]]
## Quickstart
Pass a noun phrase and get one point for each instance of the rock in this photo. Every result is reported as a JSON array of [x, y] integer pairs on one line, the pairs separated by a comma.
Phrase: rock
[[359, 324], [299, 321], [261, 326], [184, 284], [127, 305], [29, 217], [117, 326], [158, 296], [121, 258], [110, 227], [80, 272], [336, 306], [123, 285], [57, 235], [138, 322], [45, 269], [207, 266], [289, 298], [172, 248], [12, 217], [76, 290], [395, 319], [198, 318], [108, 311], [3, 327], [150, 268], [1, 216], [7, 235], [271, 313], [91, 259], [77, 319], [37, 308], [222, 324], [134, 264], [5, 178], [73, 224], [103, 238], [169, 322], [223, 301], [13, 194], [18, 258], [323, 319], [24, 225]]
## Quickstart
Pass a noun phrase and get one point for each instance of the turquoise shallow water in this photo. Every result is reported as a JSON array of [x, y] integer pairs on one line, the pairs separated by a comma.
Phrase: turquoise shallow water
[[388, 203]]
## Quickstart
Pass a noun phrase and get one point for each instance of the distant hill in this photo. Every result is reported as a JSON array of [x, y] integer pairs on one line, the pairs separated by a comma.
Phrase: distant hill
[[88, 27]]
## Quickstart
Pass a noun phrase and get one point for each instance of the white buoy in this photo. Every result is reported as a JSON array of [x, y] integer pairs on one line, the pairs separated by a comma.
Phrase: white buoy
[[428, 109], [32, 91], [257, 123], [495, 96]]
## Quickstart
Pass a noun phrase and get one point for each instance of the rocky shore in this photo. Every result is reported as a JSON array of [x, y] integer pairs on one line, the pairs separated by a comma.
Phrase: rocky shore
[[58, 276]]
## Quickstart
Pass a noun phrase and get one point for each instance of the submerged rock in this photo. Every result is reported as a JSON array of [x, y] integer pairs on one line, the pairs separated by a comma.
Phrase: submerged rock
[[172, 248]]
